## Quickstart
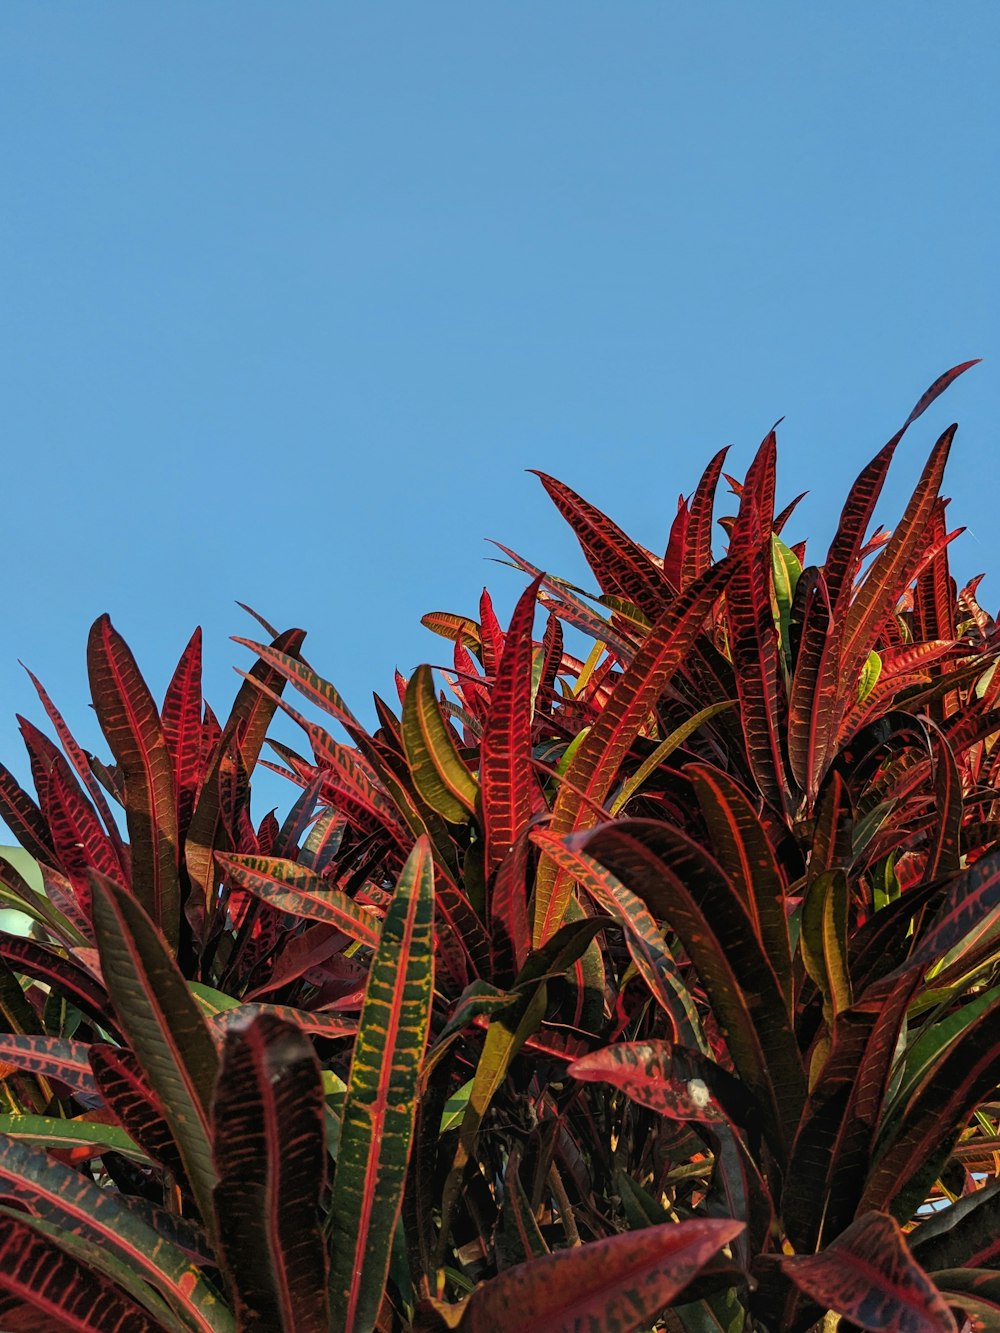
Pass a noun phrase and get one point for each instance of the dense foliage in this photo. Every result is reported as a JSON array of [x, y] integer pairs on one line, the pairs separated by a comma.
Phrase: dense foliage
[[657, 987]]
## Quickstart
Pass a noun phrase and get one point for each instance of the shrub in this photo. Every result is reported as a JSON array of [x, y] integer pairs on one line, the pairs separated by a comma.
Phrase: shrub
[[653, 987]]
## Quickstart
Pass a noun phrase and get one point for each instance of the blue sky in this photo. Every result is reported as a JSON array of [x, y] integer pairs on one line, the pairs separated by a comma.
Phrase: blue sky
[[292, 295]]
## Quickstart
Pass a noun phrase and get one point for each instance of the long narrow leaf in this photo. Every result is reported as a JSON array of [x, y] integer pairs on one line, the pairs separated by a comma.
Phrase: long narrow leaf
[[595, 765], [132, 727], [294, 888], [164, 1026], [379, 1110], [37, 1270], [438, 772], [271, 1159], [65, 1197], [507, 779]]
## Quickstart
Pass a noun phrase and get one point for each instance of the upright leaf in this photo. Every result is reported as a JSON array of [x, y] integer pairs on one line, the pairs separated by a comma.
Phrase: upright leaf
[[132, 727], [163, 1024], [507, 778], [439, 775], [270, 1155], [380, 1106], [595, 765]]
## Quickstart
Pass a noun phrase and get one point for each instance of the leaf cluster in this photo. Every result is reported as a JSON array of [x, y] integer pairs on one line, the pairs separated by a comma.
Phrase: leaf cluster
[[655, 986]]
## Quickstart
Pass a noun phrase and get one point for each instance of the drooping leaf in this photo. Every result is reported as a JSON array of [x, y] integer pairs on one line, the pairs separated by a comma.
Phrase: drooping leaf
[[38, 1271], [65, 1197], [644, 1071], [964, 1235], [681, 884], [294, 888], [49, 1057], [84, 1138], [379, 1110], [976, 1292], [971, 903], [64, 974], [643, 938]]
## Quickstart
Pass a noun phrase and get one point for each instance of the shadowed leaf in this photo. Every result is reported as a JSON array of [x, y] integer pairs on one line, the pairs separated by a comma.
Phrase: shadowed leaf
[[271, 1159], [869, 1276]]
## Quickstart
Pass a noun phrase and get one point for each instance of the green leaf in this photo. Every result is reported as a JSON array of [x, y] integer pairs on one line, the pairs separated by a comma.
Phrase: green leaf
[[870, 673], [50, 1132], [823, 940], [933, 1044], [439, 775], [787, 569], [663, 751], [380, 1107]]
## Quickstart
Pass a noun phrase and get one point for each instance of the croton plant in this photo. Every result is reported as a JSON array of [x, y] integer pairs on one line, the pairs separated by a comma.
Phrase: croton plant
[[655, 987]]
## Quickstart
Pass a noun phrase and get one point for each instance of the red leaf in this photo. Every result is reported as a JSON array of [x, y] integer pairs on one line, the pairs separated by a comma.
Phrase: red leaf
[[507, 778], [182, 728], [123, 1085], [754, 637], [24, 819], [698, 543], [132, 728], [621, 567], [271, 1160], [674, 556], [79, 761], [595, 765], [81, 1298], [613, 1285], [869, 1276], [814, 709], [644, 1071]]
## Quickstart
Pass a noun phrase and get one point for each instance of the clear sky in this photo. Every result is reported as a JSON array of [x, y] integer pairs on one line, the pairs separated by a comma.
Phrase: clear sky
[[291, 295]]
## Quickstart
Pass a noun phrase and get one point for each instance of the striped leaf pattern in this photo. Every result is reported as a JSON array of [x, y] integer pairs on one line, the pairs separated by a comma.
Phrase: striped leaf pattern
[[379, 1109]]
